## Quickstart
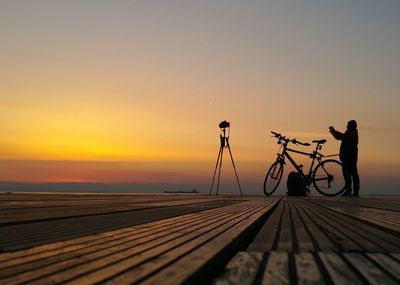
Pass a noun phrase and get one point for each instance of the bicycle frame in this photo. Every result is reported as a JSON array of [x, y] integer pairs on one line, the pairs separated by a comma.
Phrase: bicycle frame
[[315, 155]]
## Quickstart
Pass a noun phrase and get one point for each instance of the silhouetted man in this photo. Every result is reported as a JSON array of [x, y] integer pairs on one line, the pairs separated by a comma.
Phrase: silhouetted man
[[348, 156]]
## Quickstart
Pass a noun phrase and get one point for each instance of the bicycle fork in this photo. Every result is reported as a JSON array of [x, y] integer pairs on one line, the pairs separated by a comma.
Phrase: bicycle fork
[[275, 173]]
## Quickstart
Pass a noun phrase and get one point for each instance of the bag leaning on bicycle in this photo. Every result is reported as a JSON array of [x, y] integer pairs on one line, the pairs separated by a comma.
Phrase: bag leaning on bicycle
[[296, 186]]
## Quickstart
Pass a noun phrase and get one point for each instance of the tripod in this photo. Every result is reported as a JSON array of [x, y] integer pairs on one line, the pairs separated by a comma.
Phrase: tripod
[[224, 144]]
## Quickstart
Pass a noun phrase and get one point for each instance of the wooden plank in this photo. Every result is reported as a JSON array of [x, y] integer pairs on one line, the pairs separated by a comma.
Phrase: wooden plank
[[395, 256], [193, 247], [81, 203], [64, 260], [320, 240], [348, 231], [277, 269], [38, 201], [285, 236], [304, 242], [209, 256], [378, 214], [60, 263], [52, 213], [23, 236], [389, 264], [388, 218], [307, 270], [112, 258], [269, 232], [389, 204], [339, 272], [141, 231], [369, 238], [338, 239], [138, 229], [202, 246], [371, 272], [382, 219], [242, 269]]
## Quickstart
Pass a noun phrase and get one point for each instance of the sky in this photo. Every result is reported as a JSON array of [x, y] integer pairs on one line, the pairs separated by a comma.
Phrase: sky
[[133, 91]]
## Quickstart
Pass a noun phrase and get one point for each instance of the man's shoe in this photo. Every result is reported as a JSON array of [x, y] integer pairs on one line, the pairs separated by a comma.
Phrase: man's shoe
[[356, 195], [345, 194]]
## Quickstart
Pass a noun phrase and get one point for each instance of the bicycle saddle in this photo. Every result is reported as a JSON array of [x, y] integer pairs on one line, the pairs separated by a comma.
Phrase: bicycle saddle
[[319, 141]]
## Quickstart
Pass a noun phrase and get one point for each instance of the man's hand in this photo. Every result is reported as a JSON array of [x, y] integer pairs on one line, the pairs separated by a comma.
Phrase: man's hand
[[331, 129]]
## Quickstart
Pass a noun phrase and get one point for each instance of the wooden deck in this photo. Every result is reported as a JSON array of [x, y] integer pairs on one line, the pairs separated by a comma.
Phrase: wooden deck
[[197, 239]]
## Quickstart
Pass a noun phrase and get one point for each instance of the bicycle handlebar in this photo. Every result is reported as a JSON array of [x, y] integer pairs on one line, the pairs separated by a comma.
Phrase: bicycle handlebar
[[287, 140], [276, 134]]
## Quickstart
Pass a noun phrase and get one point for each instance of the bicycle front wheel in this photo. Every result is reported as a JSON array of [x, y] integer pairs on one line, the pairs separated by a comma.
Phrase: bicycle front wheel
[[328, 178], [273, 178]]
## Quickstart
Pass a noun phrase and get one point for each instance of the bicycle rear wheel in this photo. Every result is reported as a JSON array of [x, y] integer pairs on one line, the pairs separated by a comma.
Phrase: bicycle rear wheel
[[328, 178], [273, 178]]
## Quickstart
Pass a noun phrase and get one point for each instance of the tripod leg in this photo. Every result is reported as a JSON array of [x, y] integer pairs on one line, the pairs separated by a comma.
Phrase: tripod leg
[[234, 168], [215, 171], [220, 166]]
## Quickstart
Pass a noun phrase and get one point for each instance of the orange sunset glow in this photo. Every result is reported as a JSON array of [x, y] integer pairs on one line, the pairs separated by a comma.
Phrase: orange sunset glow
[[133, 91]]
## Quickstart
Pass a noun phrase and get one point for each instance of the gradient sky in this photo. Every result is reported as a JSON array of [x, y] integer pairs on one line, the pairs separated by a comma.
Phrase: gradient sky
[[133, 91]]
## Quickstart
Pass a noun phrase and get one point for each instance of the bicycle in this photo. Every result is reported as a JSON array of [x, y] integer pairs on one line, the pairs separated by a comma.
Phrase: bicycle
[[326, 177]]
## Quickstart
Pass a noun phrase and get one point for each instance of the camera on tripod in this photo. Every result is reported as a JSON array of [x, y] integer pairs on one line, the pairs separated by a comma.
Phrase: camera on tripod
[[224, 139], [224, 125]]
